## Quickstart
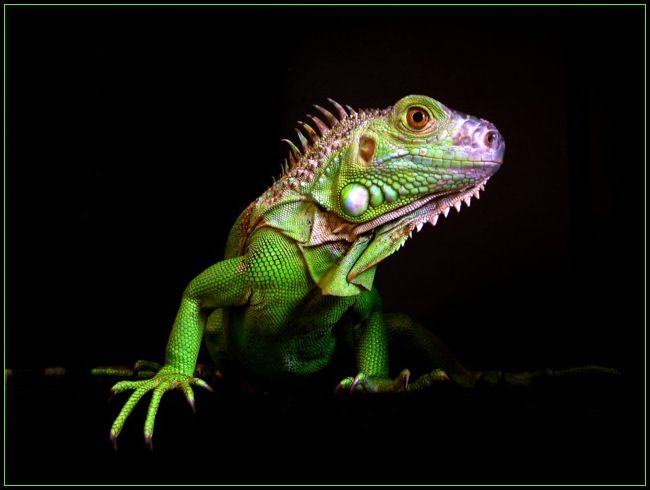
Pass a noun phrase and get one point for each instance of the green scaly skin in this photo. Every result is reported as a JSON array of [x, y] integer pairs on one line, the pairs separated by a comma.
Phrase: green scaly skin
[[300, 260]]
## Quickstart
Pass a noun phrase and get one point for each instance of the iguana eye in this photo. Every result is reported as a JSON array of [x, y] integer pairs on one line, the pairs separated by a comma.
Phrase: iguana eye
[[417, 118]]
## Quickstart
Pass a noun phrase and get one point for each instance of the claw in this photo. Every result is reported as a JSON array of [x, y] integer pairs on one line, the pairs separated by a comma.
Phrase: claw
[[189, 396], [204, 385], [354, 384], [114, 441], [343, 385], [148, 440], [404, 377], [359, 379]]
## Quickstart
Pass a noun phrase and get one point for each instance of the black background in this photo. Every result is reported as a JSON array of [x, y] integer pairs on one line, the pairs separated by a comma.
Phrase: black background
[[134, 138]]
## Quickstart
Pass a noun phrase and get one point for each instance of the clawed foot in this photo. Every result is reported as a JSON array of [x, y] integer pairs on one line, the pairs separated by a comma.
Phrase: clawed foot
[[374, 384], [165, 380]]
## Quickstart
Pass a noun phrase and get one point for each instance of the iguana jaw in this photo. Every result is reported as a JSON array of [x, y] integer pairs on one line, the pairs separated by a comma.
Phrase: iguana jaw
[[391, 236], [426, 209], [401, 222]]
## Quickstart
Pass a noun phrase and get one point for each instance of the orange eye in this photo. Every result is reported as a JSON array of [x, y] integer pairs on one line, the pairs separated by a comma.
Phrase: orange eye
[[417, 118]]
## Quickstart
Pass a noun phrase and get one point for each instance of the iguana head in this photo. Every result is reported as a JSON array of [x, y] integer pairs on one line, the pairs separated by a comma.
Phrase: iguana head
[[377, 166], [372, 176]]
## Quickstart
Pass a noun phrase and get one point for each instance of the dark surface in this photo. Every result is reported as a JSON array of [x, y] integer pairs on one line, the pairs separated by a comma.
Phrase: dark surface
[[135, 136], [582, 430]]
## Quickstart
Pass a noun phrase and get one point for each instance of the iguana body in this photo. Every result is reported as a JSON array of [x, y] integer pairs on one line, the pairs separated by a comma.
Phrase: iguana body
[[300, 260]]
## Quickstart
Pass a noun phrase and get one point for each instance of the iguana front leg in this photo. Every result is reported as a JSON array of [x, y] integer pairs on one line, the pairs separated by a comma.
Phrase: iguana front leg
[[371, 349], [223, 284]]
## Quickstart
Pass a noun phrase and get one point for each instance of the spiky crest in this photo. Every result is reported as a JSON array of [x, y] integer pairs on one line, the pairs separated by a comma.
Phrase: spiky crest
[[315, 148]]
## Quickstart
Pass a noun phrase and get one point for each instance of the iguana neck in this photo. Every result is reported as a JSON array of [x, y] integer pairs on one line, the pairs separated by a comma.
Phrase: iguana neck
[[341, 256], [330, 245]]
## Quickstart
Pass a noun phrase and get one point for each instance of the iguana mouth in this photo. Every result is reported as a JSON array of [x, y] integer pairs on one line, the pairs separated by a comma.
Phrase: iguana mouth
[[431, 211], [427, 209]]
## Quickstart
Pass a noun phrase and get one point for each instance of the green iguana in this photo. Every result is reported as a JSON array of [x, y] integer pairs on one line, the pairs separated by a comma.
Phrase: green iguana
[[300, 260]]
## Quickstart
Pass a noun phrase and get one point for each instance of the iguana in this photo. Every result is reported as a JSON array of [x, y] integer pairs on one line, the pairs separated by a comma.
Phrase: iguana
[[300, 260]]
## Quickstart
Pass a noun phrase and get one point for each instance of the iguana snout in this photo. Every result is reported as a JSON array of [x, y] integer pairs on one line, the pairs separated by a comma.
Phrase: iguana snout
[[480, 139]]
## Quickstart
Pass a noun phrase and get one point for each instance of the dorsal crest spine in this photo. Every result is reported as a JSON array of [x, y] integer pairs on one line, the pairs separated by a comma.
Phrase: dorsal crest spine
[[315, 146]]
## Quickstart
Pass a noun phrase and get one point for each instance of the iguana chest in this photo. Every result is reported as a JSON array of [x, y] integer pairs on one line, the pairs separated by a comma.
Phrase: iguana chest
[[288, 327], [283, 343]]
